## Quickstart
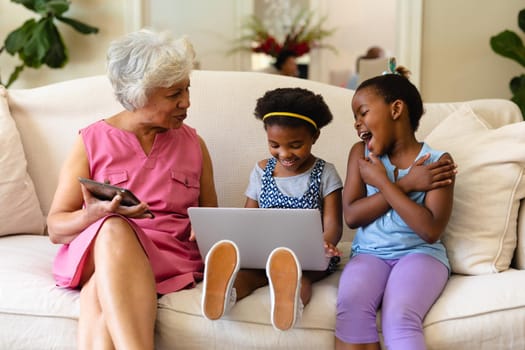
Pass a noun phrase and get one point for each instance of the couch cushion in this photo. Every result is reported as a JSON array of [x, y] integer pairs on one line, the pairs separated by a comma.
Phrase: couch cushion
[[479, 312], [34, 313], [49, 118], [19, 207], [481, 235], [27, 286]]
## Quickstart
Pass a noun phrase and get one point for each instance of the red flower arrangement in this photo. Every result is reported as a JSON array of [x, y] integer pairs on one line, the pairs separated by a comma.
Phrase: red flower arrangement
[[269, 46], [300, 39]]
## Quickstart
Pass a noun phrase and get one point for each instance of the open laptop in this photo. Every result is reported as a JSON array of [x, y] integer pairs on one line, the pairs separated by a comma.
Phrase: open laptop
[[258, 231]]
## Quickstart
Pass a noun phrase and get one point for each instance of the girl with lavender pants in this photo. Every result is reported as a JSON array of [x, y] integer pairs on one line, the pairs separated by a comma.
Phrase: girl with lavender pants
[[404, 288]]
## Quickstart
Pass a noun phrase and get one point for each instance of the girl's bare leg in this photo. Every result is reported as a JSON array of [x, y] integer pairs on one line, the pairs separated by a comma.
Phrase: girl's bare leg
[[308, 278], [249, 280]]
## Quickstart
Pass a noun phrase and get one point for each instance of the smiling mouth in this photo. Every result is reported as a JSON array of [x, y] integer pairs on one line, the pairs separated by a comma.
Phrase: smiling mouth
[[287, 162], [365, 135]]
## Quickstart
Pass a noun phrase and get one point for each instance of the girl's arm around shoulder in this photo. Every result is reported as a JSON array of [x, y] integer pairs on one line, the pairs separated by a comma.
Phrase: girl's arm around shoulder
[[208, 194]]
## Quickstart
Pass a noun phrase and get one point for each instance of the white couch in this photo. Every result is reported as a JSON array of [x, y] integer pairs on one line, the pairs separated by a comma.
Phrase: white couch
[[482, 307]]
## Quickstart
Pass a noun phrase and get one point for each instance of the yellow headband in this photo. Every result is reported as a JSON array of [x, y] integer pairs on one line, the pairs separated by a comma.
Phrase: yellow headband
[[289, 114]]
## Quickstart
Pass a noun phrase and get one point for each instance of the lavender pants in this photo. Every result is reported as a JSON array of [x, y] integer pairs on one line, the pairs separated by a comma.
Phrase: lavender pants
[[405, 289]]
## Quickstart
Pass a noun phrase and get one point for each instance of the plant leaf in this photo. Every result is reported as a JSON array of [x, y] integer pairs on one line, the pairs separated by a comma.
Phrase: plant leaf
[[37, 46], [509, 44], [517, 83], [45, 7], [78, 26], [519, 99], [38, 43], [517, 86], [521, 20], [29, 4], [17, 39], [56, 7], [14, 75], [56, 56]]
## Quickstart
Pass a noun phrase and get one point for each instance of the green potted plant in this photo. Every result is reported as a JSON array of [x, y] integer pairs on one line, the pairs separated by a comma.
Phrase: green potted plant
[[509, 44], [38, 42]]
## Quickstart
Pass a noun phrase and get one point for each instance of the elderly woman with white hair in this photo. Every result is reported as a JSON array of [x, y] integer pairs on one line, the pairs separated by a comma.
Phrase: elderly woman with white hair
[[120, 257]]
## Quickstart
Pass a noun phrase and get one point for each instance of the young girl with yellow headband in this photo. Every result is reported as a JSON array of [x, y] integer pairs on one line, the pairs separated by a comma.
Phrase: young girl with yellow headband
[[292, 178]]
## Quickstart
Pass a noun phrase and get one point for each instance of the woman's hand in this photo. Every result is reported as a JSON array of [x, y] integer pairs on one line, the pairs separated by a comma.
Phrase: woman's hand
[[97, 208]]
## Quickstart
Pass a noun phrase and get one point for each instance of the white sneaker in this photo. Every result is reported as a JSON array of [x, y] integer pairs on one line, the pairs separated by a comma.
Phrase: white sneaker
[[284, 277], [221, 267]]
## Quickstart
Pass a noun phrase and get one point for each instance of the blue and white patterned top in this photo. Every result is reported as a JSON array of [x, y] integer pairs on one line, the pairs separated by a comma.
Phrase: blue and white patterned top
[[305, 190], [272, 197]]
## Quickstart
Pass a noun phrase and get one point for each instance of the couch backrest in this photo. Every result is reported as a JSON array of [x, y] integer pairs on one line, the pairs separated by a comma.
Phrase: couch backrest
[[48, 118]]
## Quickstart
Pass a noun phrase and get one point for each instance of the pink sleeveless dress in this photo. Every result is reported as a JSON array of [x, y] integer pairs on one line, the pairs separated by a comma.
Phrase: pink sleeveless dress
[[168, 179]]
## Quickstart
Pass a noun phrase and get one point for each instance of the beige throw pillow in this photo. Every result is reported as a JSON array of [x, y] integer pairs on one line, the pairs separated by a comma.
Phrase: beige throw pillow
[[20, 211], [481, 235]]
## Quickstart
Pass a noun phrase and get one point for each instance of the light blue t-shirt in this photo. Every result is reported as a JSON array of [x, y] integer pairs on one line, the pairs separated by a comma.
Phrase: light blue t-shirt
[[389, 237]]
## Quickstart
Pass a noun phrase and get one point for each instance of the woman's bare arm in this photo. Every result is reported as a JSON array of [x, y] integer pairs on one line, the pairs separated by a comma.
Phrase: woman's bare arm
[[67, 218], [208, 194]]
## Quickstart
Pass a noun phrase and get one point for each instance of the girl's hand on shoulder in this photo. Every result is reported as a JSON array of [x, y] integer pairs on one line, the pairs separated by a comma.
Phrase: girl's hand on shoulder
[[426, 177], [331, 250], [372, 170]]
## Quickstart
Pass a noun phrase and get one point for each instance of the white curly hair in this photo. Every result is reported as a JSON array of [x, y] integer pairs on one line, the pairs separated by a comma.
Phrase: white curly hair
[[144, 60]]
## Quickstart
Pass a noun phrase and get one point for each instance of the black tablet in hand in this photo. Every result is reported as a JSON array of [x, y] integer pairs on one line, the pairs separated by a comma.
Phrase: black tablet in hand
[[107, 192]]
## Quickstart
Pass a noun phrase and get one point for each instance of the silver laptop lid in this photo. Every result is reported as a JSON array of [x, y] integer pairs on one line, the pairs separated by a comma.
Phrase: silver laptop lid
[[258, 231]]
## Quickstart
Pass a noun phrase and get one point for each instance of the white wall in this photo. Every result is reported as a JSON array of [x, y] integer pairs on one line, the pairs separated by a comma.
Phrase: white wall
[[456, 60], [359, 23], [210, 25]]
